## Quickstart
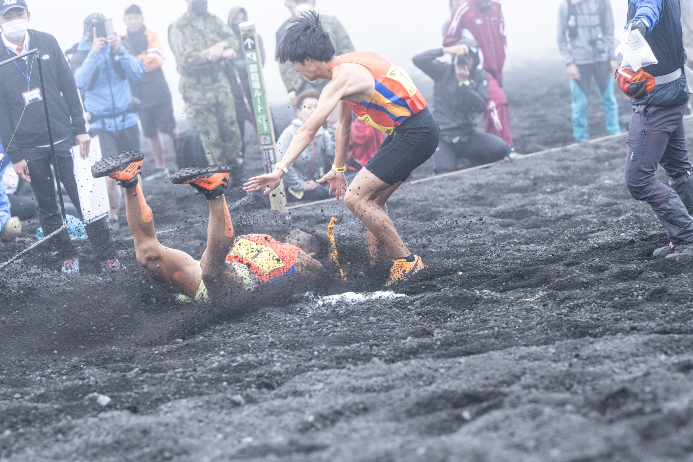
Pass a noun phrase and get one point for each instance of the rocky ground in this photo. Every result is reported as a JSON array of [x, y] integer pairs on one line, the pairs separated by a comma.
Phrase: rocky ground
[[541, 330]]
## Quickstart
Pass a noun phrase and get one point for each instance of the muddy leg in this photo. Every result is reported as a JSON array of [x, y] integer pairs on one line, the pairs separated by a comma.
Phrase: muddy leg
[[170, 266], [219, 278]]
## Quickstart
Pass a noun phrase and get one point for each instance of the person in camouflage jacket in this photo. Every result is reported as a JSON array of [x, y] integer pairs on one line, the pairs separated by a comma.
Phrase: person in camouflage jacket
[[203, 45], [295, 82]]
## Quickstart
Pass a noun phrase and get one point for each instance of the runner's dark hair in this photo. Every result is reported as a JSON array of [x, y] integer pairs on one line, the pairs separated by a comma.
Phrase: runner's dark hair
[[305, 38]]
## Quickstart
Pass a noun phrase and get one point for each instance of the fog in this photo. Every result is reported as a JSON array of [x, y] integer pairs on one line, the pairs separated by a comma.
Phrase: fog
[[396, 29]]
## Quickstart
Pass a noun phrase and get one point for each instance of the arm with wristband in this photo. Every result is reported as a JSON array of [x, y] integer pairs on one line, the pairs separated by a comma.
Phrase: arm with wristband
[[330, 97]]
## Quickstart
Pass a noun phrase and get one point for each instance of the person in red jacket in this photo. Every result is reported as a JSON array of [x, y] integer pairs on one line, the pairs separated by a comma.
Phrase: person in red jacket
[[483, 21]]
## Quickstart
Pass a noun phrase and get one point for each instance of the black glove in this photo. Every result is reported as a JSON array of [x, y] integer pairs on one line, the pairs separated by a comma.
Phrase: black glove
[[639, 24]]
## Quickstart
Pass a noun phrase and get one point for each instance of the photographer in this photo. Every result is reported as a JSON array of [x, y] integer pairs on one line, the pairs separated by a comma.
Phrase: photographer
[[460, 97], [103, 76], [586, 42], [24, 132]]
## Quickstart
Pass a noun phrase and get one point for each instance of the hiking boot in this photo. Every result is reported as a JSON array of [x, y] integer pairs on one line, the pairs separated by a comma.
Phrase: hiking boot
[[111, 265], [403, 270], [160, 173], [209, 181], [123, 168], [681, 250], [70, 266], [662, 252]]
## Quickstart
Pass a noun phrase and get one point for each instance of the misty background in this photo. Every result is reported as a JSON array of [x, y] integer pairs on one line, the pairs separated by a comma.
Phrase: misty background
[[395, 29]]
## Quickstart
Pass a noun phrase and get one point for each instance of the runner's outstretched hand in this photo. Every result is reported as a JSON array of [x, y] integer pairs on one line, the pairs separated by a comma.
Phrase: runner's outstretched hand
[[270, 181], [337, 181]]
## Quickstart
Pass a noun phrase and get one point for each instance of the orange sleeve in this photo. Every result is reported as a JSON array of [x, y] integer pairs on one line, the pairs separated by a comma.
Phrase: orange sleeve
[[154, 57]]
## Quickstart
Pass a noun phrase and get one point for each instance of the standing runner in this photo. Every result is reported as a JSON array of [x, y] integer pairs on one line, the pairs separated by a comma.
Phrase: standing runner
[[382, 95]]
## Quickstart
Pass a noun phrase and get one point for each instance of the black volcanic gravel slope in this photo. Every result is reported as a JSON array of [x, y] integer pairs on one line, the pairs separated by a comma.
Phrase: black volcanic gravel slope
[[542, 329]]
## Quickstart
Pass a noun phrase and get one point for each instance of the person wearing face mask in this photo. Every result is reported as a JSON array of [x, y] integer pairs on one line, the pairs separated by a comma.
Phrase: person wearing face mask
[[203, 44], [237, 72], [314, 161], [156, 111], [24, 132], [482, 21], [296, 83]]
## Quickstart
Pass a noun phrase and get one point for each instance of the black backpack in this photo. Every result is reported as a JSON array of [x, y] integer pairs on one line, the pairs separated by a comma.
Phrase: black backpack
[[189, 150]]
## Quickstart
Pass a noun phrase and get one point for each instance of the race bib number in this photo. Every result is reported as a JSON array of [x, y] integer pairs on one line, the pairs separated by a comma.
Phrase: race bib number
[[400, 75], [260, 255], [367, 119]]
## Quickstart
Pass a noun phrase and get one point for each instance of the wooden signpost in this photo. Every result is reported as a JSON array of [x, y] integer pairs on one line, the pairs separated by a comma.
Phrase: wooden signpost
[[263, 117]]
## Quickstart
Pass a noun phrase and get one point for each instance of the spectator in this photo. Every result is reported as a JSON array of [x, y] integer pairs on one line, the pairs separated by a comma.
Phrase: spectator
[[24, 132], [586, 42], [238, 73], [201, 43], [460, 97], [315, 161], [105, 76], [483, 21], [156, 110], [296, 83], [10, 226], [657, 135]]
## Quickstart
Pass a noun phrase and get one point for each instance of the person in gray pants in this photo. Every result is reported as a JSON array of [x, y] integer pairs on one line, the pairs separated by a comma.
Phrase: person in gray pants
[[656, 134]]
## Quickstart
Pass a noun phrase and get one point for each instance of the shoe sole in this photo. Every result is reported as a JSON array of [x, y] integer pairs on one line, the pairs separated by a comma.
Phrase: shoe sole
[[189, 174], [106, 166]]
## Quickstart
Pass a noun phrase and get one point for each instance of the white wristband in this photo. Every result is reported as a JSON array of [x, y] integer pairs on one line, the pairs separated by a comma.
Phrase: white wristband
[[282, 168]]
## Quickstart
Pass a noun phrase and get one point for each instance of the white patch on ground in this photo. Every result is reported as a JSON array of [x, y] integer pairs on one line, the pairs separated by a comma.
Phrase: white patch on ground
[[353, 297]]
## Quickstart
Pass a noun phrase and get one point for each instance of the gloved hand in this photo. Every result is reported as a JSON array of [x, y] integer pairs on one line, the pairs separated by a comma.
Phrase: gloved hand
[[639, 24]]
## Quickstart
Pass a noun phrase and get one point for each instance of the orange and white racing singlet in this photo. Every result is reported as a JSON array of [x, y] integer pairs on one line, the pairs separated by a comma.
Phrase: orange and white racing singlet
[[267, 258]]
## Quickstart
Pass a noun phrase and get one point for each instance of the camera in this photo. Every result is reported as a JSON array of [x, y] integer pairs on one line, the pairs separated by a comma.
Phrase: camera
[[463, 60], [104, 28]]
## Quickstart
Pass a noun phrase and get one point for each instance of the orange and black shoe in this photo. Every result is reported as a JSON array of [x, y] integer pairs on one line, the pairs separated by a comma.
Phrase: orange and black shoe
[[403, 269], [210, 181], [123, 168]]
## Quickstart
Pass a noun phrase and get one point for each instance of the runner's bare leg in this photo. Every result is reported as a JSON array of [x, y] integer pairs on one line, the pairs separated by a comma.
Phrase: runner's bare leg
[[363, 201], [219, 278], [375, 247], [170, 266]]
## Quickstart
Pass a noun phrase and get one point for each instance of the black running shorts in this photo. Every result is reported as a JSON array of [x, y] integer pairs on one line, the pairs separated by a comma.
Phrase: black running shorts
[[411, 144]]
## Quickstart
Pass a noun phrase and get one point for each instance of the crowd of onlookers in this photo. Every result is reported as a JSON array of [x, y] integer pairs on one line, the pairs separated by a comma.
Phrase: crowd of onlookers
[[112, 86], [120, 93]]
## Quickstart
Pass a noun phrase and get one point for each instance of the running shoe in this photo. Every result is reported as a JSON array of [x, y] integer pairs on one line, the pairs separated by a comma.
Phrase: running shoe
[[123, 168], [160, 173], [111, 265], [210, 181], [70, 266], [662, 252], [403, 270], [512, 155]]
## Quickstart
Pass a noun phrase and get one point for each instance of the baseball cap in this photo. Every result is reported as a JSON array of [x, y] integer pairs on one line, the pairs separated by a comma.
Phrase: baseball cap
[[92, 20], [9, 4]]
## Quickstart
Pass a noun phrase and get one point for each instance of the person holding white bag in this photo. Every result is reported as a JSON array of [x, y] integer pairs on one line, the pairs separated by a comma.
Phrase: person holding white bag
[[659, 95]]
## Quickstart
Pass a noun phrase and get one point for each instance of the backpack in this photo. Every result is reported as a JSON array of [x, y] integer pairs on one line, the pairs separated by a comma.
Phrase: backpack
[[572, 31], [189, 150]]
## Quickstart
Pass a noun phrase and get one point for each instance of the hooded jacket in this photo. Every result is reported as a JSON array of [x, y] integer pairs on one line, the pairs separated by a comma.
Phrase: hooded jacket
[[594, 19], [310, 164], [665, 37], [111, 95], [487, 28], [458, 108], [65, 108]]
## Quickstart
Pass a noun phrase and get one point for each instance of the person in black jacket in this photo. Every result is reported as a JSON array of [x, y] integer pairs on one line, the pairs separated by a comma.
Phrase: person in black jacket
[[24, 132], [460, 97]]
